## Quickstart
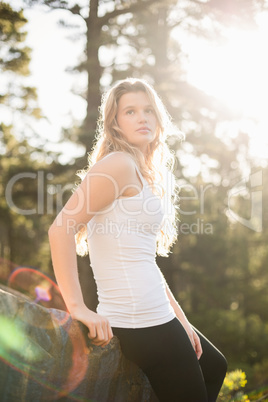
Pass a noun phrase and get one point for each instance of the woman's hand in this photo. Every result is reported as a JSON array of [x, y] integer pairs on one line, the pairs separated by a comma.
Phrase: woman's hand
[[194, 338], [100, 331], [197, 345]]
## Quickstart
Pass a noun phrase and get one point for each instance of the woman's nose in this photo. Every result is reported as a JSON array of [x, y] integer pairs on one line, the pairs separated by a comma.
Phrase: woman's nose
[[142, 116]]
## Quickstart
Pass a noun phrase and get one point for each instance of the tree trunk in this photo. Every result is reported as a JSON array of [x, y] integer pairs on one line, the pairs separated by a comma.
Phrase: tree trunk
[[94, 71], [87, 135]]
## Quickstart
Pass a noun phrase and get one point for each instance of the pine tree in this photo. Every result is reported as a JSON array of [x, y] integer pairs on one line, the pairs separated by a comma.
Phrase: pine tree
[[18, 159]]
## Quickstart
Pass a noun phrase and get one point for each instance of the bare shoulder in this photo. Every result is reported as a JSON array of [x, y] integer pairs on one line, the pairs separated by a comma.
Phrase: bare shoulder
[[117, 169], [116, 163]]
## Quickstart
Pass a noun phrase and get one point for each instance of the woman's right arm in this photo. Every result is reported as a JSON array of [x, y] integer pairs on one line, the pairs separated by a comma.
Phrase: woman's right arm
[[64, 259], [101, 186]]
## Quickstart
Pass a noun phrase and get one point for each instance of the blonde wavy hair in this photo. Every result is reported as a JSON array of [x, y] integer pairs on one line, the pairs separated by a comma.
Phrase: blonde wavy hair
[[156, 166]]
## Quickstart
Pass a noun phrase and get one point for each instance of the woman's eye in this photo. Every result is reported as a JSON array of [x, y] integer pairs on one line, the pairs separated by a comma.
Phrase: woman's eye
[[130, 111], [149, 111]]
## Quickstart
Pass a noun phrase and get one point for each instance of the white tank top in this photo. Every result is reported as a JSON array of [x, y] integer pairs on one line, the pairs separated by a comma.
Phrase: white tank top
[[122, 249]]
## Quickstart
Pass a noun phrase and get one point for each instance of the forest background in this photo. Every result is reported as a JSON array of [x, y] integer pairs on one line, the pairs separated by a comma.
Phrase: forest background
[[218, 268]]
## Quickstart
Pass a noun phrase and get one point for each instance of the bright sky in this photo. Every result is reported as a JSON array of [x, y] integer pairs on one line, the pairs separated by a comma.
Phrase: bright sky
[[52, 54], [235, 72]]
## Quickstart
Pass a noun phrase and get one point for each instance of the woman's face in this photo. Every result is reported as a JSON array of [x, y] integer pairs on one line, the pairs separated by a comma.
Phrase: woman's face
[[136, 118]]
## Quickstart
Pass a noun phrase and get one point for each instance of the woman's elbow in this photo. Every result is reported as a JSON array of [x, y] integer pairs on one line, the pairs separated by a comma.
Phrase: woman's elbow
[[60, 230], [51, 231], [54, 229]]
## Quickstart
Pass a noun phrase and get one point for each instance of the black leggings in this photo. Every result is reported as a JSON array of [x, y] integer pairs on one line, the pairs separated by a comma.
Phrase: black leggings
[[165, 354]]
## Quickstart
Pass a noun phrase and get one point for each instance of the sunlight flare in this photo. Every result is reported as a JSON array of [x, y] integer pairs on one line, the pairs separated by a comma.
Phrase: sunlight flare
[[236, 73]]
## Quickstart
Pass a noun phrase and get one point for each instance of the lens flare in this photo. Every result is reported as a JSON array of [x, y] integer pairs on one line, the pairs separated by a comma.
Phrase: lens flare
[[30, 325], [37, 286], [42, 293], [6, 267], [14, 340], [28, 350], [80, 355]]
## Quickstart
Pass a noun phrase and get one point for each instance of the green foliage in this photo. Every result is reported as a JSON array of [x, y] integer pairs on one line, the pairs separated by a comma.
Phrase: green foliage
[[13, 56], [232, 389], [16, 99], [24, 172], [260, 372], [18, 239], [260, 395]]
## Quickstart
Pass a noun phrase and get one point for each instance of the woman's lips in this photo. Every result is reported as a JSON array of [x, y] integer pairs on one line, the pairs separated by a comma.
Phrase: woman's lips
[[143, 129]]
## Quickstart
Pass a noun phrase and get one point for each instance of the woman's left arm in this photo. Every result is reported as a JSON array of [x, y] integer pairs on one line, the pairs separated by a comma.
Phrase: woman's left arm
[[194, 338]]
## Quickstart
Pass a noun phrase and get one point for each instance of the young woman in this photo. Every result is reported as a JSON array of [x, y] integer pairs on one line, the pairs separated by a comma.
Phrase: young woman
[[123, 211]]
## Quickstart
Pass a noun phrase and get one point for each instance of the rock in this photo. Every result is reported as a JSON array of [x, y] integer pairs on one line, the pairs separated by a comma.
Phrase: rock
[[45, 355]]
